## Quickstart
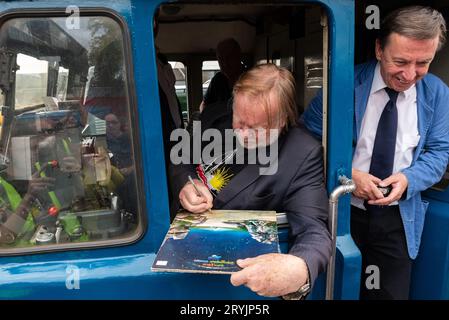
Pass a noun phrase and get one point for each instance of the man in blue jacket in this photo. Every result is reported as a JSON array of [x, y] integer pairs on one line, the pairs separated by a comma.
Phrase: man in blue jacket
[[401, 139]]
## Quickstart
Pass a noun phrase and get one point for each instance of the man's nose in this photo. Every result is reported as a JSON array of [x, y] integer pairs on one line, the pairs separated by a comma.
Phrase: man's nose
[[409, 73]]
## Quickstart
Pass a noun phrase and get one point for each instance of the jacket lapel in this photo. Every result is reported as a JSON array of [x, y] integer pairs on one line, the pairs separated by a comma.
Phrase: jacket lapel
[[361, 100], [425, 112], [363, 82], [243, 179]]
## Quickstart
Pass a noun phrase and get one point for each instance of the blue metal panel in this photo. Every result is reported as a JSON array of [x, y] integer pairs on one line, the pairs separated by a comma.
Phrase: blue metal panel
[[430, 277], [113, 277], [121, 6], [349, 261], [145, 74], [339, 135], [341, 100]]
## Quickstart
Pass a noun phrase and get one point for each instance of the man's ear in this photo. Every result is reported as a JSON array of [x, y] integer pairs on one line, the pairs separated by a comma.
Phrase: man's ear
[[378, 50], [282, 125]]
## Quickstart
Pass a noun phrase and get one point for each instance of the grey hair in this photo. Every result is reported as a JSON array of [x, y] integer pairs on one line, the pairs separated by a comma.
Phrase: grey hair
[[416, 22]]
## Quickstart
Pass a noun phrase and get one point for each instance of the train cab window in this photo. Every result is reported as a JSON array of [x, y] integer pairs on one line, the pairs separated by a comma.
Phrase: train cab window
[[67, 162], [208, 70], [291, 36], [31, 81]]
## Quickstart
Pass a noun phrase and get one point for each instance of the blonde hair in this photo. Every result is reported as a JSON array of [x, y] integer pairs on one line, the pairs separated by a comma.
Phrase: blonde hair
[[267, 80]]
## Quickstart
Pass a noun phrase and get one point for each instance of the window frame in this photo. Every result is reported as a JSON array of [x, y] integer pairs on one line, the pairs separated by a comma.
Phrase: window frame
[[142, 225]]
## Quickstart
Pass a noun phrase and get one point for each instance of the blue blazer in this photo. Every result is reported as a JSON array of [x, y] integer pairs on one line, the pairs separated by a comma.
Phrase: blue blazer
[[431, 154]]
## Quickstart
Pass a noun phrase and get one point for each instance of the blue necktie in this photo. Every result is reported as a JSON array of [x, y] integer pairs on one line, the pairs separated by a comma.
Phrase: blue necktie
[[382, 158]]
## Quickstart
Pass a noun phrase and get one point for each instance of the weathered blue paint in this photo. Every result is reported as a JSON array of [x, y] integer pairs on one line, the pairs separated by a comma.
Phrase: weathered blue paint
[[430, 277], [339, 139]]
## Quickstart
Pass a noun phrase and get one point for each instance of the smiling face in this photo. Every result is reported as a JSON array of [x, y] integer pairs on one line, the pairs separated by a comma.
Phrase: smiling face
[[404, 61]]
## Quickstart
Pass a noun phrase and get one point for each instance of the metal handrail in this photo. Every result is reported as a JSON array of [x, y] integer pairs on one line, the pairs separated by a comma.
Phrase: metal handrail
[[347, 186]]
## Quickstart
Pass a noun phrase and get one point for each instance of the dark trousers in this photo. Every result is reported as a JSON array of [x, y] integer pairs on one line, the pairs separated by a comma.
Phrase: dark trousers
[[381, 240]]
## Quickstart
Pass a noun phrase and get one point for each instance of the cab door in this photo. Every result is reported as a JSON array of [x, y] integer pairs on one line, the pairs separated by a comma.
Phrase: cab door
[[317, 45]]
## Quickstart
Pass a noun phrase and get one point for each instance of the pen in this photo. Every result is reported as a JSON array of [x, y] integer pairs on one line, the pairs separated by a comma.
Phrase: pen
[[197, 190]]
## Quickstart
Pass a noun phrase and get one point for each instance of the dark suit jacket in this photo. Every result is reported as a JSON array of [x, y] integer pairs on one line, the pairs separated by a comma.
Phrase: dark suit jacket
[[296, 188]]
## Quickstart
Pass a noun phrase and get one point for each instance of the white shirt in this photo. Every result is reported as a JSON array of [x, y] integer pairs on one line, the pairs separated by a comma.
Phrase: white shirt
[[407, 135]]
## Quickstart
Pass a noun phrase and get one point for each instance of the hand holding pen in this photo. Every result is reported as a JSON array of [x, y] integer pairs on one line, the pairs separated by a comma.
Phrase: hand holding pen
[[195, 197], [198, 192]]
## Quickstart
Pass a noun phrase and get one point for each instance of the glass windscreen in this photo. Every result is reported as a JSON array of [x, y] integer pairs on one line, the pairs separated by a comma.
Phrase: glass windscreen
[[67, 165]]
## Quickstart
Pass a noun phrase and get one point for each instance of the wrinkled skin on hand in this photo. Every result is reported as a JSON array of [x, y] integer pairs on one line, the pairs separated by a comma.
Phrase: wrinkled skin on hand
[[192, 201], [367, 187], [399, 184], [272, 274]]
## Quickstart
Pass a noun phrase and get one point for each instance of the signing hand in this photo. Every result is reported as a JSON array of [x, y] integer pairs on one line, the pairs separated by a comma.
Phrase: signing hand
[[398, 183], [272, 274], [366, 185], [191, 201]]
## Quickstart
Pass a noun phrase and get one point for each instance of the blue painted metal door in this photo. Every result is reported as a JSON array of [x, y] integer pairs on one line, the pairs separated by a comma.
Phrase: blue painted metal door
[[430, 274]]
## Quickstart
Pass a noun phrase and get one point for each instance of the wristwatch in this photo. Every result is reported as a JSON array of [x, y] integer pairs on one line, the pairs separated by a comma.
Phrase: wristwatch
[[300, 294]]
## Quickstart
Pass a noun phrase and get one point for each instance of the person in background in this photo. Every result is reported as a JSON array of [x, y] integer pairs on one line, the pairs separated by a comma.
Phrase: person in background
[[119, 144], [171, 113], [229, 56]]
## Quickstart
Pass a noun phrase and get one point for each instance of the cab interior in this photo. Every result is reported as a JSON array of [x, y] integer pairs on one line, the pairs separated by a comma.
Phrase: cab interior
[[290, 36]]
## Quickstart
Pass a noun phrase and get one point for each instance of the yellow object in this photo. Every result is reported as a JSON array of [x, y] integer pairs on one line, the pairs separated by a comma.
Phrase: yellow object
[[220, 178]]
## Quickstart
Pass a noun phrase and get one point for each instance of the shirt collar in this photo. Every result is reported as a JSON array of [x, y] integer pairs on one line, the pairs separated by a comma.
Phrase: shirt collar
[[378, 81], [379, 84]]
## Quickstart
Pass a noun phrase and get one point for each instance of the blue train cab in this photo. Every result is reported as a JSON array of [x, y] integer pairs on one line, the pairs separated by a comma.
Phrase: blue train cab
[[81, 111]]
